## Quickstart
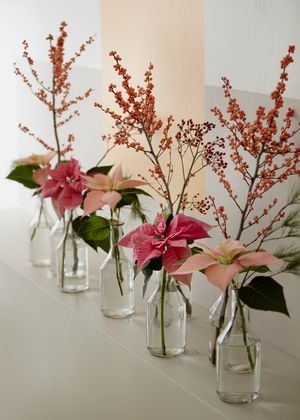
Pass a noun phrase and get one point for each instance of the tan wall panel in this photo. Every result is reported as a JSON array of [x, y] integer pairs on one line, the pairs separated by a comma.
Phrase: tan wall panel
[[169, 33]]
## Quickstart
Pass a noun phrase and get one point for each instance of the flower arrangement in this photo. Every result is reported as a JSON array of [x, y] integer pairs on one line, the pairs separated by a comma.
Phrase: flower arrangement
[[108, 188], [161, 245], [138, 128], [56, 94], [263, 152], [65, 187]]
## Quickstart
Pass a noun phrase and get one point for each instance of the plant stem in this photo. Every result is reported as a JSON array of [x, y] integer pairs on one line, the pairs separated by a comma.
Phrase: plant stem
[[114, 238], [240, 306], [75, 249], [162, 314], [38, 223], [64, 253], [54, 120]]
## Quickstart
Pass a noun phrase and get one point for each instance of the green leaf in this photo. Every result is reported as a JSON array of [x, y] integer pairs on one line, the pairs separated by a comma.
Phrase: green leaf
[[100, 170], [291, 255], [134, 191], [127, 200], [264, 293], [23, 174], [256, 269], [94, 230], [196, 250]]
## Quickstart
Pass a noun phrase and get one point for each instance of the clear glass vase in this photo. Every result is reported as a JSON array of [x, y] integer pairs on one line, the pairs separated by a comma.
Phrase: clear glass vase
[[39, 235], [219, 315], [56, 234], [116, 279], [71, 260], [238, 357], [166, 318]]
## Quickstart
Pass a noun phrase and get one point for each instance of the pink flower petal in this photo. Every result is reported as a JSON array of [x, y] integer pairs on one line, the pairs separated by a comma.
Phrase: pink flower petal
[[50, 188], [181, 243], [146, 229], [129, 183], [96, 182], [93, 201], [117, 175], [195, 263], [220, 275], [170, 261], [59, 209], [230, 248], [143, 249], [188, 228], [258, 258], [111, 198], [40, 176], [69, 198]]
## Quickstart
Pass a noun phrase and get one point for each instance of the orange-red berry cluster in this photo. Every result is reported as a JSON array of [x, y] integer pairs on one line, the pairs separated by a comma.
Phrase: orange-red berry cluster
[[262, 150], [56, 95]]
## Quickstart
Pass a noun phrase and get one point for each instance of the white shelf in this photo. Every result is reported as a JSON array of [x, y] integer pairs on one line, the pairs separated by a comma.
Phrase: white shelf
[[61, 359]]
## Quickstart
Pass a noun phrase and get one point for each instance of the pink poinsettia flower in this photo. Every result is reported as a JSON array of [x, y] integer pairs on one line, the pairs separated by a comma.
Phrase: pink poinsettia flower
[[152, 241], [105, 189], [223, 262], [66, 186], [37, 160]]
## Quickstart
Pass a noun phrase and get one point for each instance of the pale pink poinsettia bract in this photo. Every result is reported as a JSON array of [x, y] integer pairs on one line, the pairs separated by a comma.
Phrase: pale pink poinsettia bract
[[223, 262], [65, 186], [105, 189], [171, 242], [36, 160]]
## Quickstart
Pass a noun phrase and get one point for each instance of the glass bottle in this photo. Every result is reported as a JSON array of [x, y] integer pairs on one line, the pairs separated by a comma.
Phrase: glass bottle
[[56, 234], [166, 318], [71, 260], [218, 318], [39, 235], [116, 279], [238, 357]]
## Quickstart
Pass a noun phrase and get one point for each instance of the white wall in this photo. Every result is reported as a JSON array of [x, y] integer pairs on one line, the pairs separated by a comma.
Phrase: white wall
[[245, 39], [33, 20]]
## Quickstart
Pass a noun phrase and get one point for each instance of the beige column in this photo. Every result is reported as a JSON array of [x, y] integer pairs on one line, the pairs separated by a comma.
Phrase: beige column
[[168, 33]]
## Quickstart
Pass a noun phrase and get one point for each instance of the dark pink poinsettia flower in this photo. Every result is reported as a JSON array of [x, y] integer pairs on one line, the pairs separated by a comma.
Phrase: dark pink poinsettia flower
[[171, 242], [65, 186]]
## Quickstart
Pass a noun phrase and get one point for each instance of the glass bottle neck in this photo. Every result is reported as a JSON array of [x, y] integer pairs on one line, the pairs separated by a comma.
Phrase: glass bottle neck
[[116, 233], [169, 281], [239, 312]]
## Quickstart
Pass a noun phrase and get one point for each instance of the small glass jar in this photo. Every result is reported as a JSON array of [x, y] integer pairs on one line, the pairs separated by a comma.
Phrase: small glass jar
[[39, 235], [219, 315], [238, 357], [116, 279], [71, 260], [166, 318]]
